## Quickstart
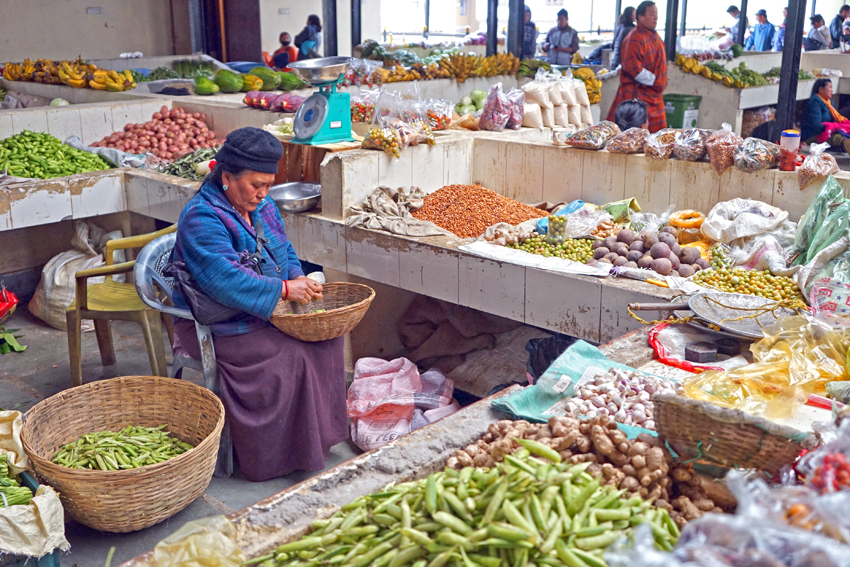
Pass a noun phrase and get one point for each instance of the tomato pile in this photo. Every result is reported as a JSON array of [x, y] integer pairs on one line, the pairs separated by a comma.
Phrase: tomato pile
[[833, 474]]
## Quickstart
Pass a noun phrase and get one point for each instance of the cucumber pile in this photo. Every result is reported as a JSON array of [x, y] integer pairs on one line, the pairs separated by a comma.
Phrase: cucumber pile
[[41, 156]]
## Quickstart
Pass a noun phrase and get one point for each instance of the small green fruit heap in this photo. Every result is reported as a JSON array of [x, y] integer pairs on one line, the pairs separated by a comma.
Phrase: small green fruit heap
[[575, 249], [749, 282]]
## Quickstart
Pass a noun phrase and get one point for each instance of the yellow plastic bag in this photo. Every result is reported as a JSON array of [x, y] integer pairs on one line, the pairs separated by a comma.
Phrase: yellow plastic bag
[[209, 542], [795, 359]]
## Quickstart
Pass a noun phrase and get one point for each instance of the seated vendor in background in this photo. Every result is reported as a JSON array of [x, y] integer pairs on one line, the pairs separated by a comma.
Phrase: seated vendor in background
[[821, 122], [285, 54], [285, 399]]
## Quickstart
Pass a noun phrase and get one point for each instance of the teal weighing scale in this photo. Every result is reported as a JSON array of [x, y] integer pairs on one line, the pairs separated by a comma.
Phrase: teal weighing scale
[[325, 117]]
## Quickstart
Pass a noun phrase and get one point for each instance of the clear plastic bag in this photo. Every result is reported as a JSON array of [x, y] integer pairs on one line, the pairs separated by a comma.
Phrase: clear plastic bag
[[827, 469], [496, 111], [439, 113], [632, 141], [595, 137], [660, 144], [531, 116], [797, 357], [581, 92], [554, 89], [568, 91], [415, 117], [829, 196], [650, 222], [574, 115], [562, 117], [516, 100], [384, 139], [720, 147], [816, 166], [537, 90], [756, 155], [210, 542], [690, 144]]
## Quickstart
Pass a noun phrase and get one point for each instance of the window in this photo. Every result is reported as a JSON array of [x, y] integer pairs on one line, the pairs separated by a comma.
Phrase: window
[[462, 7], [554, 2]]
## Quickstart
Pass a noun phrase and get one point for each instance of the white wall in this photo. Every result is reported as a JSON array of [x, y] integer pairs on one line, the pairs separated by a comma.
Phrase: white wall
[[61, 29], [273, 22]]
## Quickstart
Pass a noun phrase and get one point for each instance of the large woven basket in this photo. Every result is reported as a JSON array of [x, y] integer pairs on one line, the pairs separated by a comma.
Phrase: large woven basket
[[132, 499], [344, 303], [726, 437]]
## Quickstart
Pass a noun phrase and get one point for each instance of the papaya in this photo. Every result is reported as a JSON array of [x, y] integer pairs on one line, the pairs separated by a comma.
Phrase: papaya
[[204, 86], [290, 82], [270, 79], [251, 83], [227, 81]]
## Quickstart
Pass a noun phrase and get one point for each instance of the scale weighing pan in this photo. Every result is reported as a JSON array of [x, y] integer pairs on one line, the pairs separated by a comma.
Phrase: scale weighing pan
[[324, 71], [719, 309]]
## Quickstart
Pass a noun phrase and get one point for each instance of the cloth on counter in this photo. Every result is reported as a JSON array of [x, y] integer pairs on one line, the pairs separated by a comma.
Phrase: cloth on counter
[[285, 399], [390, 210], [116, 158], [439, 334]]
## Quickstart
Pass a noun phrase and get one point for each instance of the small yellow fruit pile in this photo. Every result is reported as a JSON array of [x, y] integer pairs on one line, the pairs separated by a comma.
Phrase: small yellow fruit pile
[[593, 85], [75, 74]]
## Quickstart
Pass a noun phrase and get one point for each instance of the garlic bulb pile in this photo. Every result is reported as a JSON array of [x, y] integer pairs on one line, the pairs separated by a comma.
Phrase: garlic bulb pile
[[501, 237], [625, 396]]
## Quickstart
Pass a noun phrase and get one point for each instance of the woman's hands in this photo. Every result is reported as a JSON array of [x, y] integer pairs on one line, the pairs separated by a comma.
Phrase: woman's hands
[[302, 290]]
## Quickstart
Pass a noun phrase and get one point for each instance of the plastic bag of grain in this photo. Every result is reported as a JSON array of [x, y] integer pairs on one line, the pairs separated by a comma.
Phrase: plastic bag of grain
[[561, 115], [581, 92], [568, 91], [531, 116], [554, 89], [548, 116], [574, 115], [586, 115], [537, 91]]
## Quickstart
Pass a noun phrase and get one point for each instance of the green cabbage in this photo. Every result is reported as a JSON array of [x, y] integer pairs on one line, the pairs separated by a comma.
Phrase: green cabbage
[[478, 97]]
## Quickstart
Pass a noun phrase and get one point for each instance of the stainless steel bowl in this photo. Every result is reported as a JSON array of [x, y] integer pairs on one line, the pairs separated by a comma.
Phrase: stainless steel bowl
[[322, 71], [296, 197]]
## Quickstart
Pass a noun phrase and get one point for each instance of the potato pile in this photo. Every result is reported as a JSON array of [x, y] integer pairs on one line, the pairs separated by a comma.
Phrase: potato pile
[[656, 251], [641, 466]]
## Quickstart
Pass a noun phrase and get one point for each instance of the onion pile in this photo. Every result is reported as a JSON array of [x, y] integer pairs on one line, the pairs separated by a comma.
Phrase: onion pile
[[169, 135]]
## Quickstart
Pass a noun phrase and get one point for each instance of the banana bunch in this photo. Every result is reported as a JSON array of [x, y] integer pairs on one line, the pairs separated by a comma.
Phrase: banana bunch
[[71, 76], [528, 67], [12, 71], [399, 74], [111, 80], [498, 64], [27, 70], [591, 83], [461, 66], [430, 71], [578, 59]]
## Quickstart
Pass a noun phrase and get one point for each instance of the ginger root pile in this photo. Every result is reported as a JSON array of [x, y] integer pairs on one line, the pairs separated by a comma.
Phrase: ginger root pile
[[642, 466]]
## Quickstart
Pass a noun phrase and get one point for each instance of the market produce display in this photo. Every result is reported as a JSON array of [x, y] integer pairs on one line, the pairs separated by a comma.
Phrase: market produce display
[[773, 75], [656, 251], [77, 74], [594, 85], [740, 77], [129, 448], [275, 102], [473, 102], [750, 282], [468, 210], [11, 492], [186, 166], [528, 67], [575, 249], [41, 156], [532, 508], [639, 467], [181, 69], [168, 135], [624, 396]]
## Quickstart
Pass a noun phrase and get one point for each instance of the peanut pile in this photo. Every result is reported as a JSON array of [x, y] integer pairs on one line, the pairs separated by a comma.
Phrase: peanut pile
[[641, 466], [469, 210]]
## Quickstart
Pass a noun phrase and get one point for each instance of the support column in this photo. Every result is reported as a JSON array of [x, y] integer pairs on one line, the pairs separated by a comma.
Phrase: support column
[[492, 26], [789, 74], [329, 28], [427, 18], [356, 25], [683, 28], [196, 26], [516, 25], [670, 29], [742, 22], [618, 9]]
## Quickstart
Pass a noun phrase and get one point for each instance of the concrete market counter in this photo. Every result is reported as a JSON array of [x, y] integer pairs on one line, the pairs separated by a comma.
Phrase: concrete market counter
[[287, 515]]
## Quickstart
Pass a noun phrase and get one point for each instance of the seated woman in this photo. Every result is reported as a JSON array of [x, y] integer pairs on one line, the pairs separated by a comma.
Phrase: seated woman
[[285, 399], [821, 122]]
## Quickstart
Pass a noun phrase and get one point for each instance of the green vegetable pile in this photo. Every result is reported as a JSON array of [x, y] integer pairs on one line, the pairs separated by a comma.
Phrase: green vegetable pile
[[185, 166], [776, 71], [31, 154], [9, 341], [528, 67], [182, 69], [130, 448], [527, 511], [749, 77], [11, 493]]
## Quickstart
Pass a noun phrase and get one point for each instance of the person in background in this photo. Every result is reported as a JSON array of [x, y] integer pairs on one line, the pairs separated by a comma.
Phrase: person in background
[[309, 40], [845, 36], [627, 24], [644, 69], [815, 40], [529, 40], [631, 114], [837, 25], [285, 54], [735, 13], [820, 117], [779, 37], [561, 41], [762, 37]]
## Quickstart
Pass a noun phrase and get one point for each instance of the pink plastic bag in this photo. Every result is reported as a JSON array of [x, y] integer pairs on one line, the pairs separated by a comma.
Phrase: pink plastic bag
[[497, 110], [386, 394]]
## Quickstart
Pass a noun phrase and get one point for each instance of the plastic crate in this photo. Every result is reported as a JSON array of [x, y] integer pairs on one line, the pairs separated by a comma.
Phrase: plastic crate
[[49, 560]]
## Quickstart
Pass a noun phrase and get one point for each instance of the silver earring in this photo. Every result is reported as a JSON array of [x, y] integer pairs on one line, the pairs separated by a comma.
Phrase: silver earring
[[224, 188]]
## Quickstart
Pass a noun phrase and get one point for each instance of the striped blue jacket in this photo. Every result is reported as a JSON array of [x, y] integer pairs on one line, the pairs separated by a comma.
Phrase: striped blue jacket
[[211, 236]]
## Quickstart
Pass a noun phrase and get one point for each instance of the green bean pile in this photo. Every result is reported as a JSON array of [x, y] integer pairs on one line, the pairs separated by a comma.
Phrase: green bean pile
[[11, 493], [525, 512], [31, 154], [130, 448]]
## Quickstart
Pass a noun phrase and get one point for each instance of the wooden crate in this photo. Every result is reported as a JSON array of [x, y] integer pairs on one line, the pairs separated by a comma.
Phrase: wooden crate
[[301, 162]]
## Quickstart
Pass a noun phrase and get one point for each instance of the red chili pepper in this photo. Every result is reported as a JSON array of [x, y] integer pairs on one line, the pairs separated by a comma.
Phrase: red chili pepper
[[8, 302]]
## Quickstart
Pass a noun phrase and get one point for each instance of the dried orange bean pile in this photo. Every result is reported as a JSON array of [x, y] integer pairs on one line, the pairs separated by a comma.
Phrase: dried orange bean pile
[[468, 210]]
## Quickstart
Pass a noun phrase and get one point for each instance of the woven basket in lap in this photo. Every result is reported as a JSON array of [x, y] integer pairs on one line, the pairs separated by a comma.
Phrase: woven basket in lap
[[727, 437], [344, 303], [132, 499]]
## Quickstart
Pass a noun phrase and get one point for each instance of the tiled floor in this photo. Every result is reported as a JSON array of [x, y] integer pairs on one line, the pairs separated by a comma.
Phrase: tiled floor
[[42, 370]]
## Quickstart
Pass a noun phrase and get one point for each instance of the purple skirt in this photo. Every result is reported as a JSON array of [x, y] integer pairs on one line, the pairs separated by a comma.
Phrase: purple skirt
[[284, 399]]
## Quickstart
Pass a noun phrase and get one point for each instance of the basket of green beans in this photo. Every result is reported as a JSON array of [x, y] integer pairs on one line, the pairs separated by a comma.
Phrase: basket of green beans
[[122, 454], [532, 509], [41, 156]]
